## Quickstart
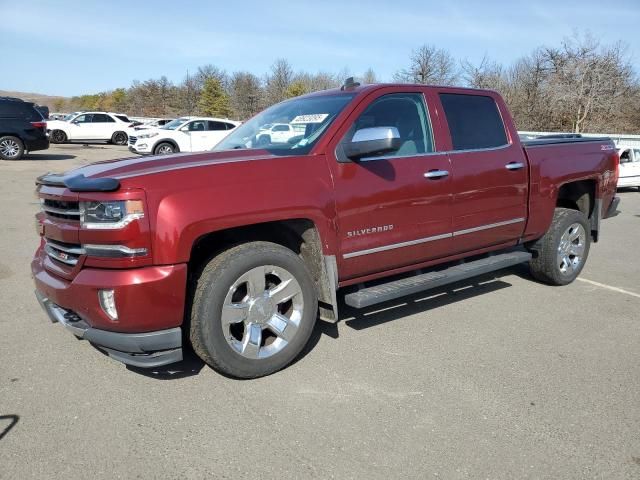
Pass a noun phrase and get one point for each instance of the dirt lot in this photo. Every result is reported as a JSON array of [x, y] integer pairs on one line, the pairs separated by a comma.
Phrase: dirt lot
[[497, 378]]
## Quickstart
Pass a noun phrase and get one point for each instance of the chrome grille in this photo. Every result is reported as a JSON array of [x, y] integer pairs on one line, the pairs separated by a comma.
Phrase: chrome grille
[[61, 209], [67, 253]]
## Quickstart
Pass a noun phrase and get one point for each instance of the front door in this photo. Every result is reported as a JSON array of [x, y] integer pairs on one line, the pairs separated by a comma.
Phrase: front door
[[81, 127], [198, 135], [390, 215]]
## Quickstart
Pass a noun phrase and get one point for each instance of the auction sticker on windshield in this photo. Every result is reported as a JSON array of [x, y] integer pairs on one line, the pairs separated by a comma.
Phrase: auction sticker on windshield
[[312, 118]]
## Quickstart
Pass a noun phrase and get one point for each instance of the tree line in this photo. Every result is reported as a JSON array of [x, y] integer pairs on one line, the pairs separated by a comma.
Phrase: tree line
[[580, 85]]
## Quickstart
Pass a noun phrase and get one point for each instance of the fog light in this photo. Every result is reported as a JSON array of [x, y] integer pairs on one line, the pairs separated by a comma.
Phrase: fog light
[[108, 303]]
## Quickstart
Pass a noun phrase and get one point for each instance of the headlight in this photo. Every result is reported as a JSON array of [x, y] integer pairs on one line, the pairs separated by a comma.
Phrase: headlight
[[148, 135], [110, 214]]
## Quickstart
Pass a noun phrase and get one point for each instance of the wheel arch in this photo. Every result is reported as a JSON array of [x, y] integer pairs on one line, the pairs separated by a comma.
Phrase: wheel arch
[[581, 195], [166, 140], [300, 235]]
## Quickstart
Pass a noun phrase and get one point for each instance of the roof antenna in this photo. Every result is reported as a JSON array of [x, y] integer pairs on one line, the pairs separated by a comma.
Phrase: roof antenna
[[349, 83]]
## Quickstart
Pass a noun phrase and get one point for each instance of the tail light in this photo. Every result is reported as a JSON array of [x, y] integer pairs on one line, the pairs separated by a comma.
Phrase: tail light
[[616, 159], [42, 125]]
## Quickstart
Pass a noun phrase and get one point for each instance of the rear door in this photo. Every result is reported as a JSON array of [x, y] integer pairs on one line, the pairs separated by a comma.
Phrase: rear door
[[216, 132], [103, 126], [389, 214], [489, 172]]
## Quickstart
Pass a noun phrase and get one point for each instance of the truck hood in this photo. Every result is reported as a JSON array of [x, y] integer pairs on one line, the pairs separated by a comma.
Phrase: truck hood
[[139, 166]]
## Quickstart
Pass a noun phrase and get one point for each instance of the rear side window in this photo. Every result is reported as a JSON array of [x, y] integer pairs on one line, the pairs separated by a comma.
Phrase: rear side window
[[124, 118], [216, 125], [474, 121]]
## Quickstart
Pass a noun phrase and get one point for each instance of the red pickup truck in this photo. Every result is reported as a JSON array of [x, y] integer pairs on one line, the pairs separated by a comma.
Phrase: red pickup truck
[[383, 191]]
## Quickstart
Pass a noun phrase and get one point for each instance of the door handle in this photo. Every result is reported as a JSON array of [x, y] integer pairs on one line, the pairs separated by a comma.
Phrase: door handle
[[514, 165], [435, 174]]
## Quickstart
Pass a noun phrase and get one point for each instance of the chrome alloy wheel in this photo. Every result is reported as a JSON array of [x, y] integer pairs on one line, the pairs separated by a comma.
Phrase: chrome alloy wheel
[[165, 150], [262, 312], [571, 248], [9, 148]]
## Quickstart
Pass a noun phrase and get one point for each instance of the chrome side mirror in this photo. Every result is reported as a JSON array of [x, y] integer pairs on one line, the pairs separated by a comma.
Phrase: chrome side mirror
[[373, 141]]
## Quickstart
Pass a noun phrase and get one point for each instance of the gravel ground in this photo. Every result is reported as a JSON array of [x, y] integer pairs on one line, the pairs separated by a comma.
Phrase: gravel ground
[[500, 377]]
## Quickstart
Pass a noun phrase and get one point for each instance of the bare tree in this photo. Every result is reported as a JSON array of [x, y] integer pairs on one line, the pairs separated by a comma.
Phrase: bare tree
[[430, 65], [369, 76], [587, 79], [278, 81], [245, 92]]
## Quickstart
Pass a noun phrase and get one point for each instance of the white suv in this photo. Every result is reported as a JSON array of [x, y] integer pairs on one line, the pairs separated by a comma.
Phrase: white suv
[[184, 134], [90, 126]]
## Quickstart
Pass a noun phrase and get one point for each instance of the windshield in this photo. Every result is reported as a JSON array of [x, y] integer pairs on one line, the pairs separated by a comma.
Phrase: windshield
[[173, 124], [68, 118], [288, 128]]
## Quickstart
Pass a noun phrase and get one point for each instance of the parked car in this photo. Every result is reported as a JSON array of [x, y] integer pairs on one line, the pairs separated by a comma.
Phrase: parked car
[[184, 134], [136, 126], [276, 133], [255, 242], [90, 127], [629, 167], [22, 128]]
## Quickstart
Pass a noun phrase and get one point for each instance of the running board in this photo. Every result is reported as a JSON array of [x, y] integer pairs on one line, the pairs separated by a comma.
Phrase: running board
[[399, 288]]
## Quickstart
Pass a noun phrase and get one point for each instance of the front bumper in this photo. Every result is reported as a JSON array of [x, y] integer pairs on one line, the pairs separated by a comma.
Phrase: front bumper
[[150, 304], [147, 350], [140, 149]]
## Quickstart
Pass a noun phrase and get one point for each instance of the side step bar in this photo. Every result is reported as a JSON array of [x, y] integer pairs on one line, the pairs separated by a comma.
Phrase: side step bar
[[399, 288]]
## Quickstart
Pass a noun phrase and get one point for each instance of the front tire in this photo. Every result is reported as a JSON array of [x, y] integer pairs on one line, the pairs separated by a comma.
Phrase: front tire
[[119, 138], [11, 148], [563, 250], [58, 136], [253, 311], [164, 148]]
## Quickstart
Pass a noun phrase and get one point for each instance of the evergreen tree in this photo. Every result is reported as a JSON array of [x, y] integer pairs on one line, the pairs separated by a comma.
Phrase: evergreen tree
[[213, 99]]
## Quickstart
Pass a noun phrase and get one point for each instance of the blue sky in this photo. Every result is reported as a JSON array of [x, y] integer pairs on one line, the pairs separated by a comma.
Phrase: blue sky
[[69, 47]]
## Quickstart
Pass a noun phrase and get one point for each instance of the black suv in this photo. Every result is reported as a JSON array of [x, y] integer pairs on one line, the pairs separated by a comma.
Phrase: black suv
[[22, 128]]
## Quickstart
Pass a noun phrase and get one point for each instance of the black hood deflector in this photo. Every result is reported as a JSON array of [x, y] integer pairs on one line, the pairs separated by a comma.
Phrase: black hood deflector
[[79, 183]]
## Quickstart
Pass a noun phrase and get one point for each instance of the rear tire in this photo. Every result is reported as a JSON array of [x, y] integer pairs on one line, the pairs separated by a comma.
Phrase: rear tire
[[119, 138], [253, 311], [11, 148], [58, 136], [563, 250], [164, 148]]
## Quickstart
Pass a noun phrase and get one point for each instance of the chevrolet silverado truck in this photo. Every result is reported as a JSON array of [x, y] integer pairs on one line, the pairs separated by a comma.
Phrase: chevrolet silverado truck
[[388, 190]]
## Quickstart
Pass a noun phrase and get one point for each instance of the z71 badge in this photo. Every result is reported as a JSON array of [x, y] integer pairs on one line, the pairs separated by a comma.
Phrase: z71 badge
[[368, 231]]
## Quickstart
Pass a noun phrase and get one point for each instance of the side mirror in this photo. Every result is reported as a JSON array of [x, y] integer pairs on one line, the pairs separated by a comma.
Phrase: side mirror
[[373, 141]]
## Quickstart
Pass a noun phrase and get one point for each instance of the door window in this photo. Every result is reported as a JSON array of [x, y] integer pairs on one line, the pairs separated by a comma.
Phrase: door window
[[406, 112], [198, 126], [281, 128], [474, 121], [102, 118], [85, 118]]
